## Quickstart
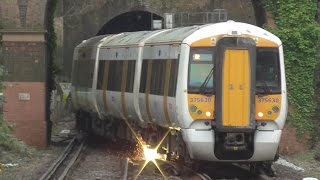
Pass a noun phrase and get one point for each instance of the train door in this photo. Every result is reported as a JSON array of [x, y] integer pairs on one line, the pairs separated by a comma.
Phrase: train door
[[236, 88], [235, 82], [235, 98]]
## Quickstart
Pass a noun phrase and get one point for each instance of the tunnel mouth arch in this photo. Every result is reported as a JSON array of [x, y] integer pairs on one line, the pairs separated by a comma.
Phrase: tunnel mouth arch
[[129, 22]]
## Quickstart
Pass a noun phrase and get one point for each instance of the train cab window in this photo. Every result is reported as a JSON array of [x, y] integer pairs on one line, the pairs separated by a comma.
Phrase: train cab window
[[201, 70], [268, 71]]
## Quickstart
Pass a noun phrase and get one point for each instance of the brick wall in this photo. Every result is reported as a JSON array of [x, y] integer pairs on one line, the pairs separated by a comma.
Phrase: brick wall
[[25, 111], [22, 14], [22, 26], [25, 86], [24, 61]]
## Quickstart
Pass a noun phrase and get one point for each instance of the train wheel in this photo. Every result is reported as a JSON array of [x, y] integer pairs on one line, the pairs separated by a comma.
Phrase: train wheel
[[268, 169], [255, 168], [79, 116]]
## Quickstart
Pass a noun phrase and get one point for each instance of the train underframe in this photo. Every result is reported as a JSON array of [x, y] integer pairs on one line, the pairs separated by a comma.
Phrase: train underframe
[[228, 146]]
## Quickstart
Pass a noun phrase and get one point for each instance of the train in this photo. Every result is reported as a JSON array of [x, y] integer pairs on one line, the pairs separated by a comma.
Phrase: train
[[219, 89]]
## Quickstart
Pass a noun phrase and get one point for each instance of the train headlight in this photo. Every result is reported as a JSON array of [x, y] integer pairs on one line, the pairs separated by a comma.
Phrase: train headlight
[[199, 112], [275, 109], [260, 114], [193, 108], [269, 113], [208, 114], [196, 57]]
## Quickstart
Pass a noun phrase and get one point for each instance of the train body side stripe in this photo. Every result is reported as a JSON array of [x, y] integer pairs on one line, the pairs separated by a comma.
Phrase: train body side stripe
[[166, 91], [123, 88], [148, 90], [105, 84]]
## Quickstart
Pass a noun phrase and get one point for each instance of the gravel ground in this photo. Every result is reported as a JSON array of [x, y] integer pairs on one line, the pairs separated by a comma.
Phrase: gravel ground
[[31, 167], [311, 167], [106, 160]]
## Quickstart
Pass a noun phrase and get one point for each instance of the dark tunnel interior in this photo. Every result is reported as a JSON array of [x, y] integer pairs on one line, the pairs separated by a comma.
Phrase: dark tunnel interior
[[129, 22]]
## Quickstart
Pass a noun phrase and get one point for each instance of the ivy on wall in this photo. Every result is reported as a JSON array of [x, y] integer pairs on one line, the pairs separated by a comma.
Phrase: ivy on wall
[[299, 32], [52, 44], [52, 70]]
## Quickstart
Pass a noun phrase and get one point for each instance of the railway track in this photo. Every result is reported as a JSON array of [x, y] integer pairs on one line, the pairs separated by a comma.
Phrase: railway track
[[214, 172], [234, 172], [60, 168], [129, 169]]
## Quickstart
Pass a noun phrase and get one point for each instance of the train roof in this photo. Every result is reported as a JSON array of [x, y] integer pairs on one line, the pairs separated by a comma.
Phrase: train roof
[[130, 38], [176, 35], [92, 41], [230, 28], [186, 35]]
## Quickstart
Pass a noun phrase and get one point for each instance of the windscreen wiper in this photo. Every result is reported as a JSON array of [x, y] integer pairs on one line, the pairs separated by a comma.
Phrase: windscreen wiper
[[205, 82], [266, 89]]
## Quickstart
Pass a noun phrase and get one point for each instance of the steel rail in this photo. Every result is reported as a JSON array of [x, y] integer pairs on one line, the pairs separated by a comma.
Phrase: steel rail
[[203, 176], [61, 159], [72, 161], [52, 169]]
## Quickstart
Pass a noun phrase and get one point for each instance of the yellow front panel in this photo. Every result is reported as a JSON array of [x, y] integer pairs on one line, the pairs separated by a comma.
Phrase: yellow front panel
[[236, 88], [201, 107], [269, 106]]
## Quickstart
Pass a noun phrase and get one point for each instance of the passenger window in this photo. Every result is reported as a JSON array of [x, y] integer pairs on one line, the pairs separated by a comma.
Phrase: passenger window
[[130, 75], [84, 70], [173, 77], [158, 77], [143, 78], [115, 75], [100, 74]]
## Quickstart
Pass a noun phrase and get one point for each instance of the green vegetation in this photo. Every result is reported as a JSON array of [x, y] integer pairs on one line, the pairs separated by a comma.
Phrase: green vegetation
[[53, 70], [299, 32], [7, 141]]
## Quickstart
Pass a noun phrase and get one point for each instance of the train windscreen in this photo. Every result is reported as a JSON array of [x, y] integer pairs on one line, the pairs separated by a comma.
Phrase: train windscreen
[[201, 70], [268, 71]]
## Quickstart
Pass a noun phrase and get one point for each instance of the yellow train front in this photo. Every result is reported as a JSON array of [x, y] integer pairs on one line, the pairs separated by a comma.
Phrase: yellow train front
[[220, 88], [236, 95]]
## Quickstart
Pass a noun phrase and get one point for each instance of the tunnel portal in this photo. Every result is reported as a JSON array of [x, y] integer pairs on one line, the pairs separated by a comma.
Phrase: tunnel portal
[[130, 22]]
